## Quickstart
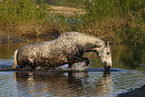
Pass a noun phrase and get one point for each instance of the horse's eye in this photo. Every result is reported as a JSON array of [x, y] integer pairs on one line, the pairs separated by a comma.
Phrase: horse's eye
[[108, 53]]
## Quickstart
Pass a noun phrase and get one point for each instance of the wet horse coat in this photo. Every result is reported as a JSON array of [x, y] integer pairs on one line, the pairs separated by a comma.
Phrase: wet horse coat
[[66, 49]]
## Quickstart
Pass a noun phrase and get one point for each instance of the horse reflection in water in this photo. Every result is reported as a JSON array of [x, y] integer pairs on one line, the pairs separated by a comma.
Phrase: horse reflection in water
[[63, 83]]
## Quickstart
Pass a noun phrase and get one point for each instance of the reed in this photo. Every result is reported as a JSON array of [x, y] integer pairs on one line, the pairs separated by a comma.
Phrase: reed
[[120, 21], [24, 16]]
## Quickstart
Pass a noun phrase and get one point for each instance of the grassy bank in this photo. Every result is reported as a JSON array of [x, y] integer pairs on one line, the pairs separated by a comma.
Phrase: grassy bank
[[25, 17], [120, 21]]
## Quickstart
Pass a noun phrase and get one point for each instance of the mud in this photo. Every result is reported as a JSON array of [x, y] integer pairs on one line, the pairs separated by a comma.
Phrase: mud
[[137, 92], [10, 38]]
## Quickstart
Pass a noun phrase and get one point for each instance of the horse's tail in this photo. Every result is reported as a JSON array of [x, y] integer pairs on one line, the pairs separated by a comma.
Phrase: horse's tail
[[15, 59]]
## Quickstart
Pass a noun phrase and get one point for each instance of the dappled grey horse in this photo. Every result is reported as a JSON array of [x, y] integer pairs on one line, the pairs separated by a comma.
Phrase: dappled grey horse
[[68, 48]]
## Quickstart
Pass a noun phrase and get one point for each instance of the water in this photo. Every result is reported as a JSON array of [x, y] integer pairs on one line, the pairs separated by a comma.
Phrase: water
[[42, 84], [127, 73]]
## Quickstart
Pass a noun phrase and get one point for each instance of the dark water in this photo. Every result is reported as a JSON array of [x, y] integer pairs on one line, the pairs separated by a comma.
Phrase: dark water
[[128, 72]]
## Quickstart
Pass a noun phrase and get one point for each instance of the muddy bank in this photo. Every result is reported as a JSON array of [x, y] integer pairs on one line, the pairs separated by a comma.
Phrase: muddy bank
[[10, 38], [137, 92], [26, 37], [47, 33]]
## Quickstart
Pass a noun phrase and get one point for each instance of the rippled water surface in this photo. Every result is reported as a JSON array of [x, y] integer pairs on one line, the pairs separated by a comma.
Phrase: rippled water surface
[[68, 83], [128, 72]]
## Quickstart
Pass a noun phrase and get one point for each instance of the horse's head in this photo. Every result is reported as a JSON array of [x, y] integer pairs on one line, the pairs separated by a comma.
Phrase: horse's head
[[104, 53]]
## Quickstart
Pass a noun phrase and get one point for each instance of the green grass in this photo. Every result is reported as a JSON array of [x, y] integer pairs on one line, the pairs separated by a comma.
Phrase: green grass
[[120, 21], [24, 16]]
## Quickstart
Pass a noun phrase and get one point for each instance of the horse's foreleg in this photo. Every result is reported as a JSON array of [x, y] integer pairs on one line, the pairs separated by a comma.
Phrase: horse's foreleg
[[79, 63], [80, 59]]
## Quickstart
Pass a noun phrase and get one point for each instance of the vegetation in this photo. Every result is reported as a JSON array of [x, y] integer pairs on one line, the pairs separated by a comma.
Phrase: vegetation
[[70, 3], [25, 17], [120, 21]]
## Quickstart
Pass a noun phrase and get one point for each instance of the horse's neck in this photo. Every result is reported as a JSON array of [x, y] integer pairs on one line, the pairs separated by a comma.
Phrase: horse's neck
[[96, 49]]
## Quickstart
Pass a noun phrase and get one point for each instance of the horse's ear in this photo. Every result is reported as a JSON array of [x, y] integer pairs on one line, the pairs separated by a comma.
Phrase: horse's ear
[[107, 43]]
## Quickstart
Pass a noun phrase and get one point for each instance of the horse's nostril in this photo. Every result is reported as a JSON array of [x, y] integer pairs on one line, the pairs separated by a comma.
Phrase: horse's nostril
[[107, 67]]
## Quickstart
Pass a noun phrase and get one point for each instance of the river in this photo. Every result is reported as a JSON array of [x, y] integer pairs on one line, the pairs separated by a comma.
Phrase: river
[[128, 72]]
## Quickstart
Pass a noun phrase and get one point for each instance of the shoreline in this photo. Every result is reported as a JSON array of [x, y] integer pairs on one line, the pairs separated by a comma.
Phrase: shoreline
[[29, 37], [11, 38], [137, 92]]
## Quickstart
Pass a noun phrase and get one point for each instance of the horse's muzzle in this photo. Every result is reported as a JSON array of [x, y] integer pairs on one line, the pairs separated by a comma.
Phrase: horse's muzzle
[[107, 67]]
